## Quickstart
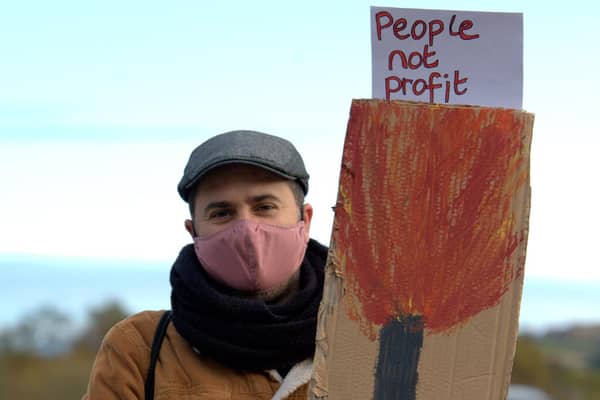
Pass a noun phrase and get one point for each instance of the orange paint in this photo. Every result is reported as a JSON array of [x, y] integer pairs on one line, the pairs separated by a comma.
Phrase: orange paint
[[427, 202]]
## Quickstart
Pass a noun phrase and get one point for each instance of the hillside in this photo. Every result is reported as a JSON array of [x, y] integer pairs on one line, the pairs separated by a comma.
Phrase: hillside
[[564, 363], [574, 347]]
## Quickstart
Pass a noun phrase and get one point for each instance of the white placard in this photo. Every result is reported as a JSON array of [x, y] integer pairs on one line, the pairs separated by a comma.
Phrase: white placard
[[447, 57]]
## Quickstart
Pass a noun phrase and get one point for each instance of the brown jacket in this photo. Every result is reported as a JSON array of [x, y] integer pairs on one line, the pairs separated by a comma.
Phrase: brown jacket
[[119, 371]]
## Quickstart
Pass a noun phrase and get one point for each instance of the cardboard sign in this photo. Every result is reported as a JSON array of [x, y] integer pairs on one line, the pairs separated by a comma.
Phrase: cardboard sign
[[447, 57], [425, 268]]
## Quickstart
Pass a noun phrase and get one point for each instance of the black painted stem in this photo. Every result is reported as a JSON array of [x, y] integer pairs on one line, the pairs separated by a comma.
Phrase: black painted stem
[[400, 345]]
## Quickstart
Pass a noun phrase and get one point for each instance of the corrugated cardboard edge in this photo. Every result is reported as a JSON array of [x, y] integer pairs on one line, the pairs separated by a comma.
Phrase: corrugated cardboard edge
[[345, 359], [328, 310]]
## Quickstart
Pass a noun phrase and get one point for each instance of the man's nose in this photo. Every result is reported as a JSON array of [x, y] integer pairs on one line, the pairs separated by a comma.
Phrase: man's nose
[[246, 213]]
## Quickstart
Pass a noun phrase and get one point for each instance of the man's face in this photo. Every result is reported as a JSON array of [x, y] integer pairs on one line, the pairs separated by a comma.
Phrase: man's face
[[238, 191]]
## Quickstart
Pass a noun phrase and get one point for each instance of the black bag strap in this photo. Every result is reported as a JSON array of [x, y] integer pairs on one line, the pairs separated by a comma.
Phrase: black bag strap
[[159, 335]]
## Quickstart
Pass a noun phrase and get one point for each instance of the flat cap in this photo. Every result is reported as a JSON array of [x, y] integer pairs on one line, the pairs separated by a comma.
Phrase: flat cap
[[243, 147]]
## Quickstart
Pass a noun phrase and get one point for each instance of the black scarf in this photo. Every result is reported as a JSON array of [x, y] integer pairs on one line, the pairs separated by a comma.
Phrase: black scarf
[[242, 333]]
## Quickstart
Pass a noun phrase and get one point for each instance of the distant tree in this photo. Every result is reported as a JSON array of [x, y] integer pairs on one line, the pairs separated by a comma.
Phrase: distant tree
[[593, 361], [550, 372], [45, 331], [100, 320], [41, 356]]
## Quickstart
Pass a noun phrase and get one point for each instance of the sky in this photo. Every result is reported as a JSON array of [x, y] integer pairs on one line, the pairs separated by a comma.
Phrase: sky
[[101, 103]]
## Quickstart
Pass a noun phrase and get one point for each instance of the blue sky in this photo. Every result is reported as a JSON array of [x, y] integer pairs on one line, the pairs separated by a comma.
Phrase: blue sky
[[101, 103]]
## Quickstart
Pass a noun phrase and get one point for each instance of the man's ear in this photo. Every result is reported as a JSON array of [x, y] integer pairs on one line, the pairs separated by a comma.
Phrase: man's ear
[[307, 213], [189, 226]]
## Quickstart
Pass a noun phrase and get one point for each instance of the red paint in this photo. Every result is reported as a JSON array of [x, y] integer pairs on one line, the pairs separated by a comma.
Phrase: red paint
[[419, 28], [382, 25], [408, 86], [439, 185], [414, 60], [464, 26]]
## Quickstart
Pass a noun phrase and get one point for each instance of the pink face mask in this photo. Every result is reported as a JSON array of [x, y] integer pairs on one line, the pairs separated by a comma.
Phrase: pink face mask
[[251, 256]]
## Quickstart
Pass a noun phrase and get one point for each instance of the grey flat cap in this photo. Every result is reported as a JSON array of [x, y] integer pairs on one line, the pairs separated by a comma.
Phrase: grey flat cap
[[244, 147]]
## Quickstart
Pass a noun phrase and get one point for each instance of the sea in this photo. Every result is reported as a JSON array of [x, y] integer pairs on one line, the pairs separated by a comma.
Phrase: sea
[[75, 287]]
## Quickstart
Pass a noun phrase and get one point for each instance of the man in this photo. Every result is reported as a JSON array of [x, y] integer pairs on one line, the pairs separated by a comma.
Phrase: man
[[245, 294]]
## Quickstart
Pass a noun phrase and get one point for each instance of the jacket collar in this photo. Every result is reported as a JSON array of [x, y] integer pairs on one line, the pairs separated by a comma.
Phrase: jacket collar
[[299, 375]]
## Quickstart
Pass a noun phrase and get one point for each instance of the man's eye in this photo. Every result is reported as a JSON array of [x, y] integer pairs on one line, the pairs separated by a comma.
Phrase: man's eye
[[265, 207], [219, 214]]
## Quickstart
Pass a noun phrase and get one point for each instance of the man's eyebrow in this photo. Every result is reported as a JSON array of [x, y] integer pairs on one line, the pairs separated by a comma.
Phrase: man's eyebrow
[[253, 199], [263, 197], [216, 204]]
